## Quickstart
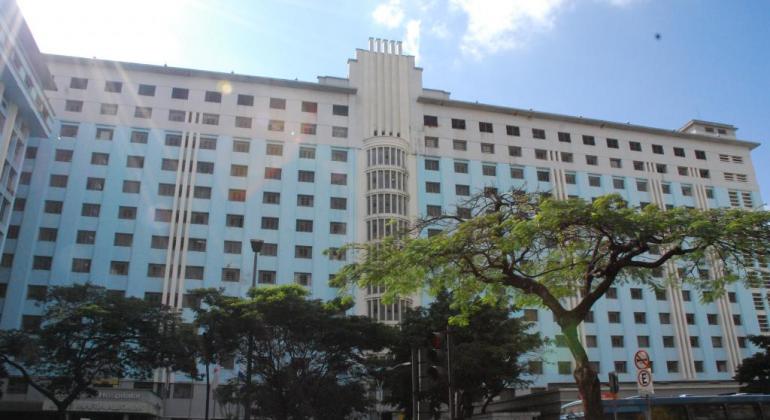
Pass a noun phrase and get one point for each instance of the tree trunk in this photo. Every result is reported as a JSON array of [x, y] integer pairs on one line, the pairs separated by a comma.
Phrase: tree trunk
[[208, 390], [585, 376]]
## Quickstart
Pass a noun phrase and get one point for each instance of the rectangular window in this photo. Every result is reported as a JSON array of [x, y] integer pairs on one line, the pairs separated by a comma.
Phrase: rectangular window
[[81, 265], [592, 160], [245, 100], [162, 215], [212, 96], [108, 109], [431, 165], [338, 228], [306, 176], [63, 155], [514, 151], [541, 154], [266, 277], [616, 163], [270, 223], [431, 142], [66, 130], [240, 146], [339, 203], [306, 152], [311, 107], [196, 244], [53, 207], [143, 112], [517, 172], [41, 262], [462, 190], [90, 210], [85, 237], [488, 148], [277, 103], [210, 119], [339, 155], [202, 192], [231, 274], [270, 197], [100, 158], [566, 157], [635, 146], [46, 234], [127, 212], [340, 110], [543, 175], [489, 169], [73, 106], [339, 179], [272, 173], [458, 124], [234, 220], [594, 180], [242, 122], [139, 137], [180, 93], [194, 272], [205, 167], [678, 151], [700, 154], [303, 225], [112, 86], [570, 178], [156, 270], [434, 211], [275, 125], [641, 185], [104, 133], [657, 149], [308, 128], [340, 132], [538, 133], [564, 137], [119, 268], [304, 200], [233, 247], [135, 161], [430, 120], [512, 130], [589, 140], [485, 127], [78, 83], [432, 187], [236, 195], [460, 167], [239, 170], [618, 183], [303, 251], [176, 115], [123, 239], [613, 143]]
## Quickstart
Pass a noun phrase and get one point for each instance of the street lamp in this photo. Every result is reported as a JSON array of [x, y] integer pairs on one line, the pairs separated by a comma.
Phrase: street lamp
[[256, 246]]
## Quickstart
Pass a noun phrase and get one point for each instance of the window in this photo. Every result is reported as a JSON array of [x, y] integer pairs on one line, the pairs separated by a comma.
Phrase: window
[[694, 342], [617, 341], [73, 106], [514, 151], [636, 293], [643, 340], [458, 124], [618, 183], [143, 112], [194, 272], [485, 127], [700, 154], [78, 83], [208, 143], [657, 149], [461, 167], [589, 140], [81, 265], [538, 133], [613, 317], [566, 157], [234, 220], [640, 318], [123, 239], [104, 133], [594, 180], [737, 320], [565, 368], [205, 167], [592, 160], [303, 251], [277, 103], [512, 130], [242, 122], [304, 200], [487, 148], [176, 115], [570, 178], [433, 187], [699, 366], [308, 128], [340, 110], [135, 161], [90, 210], [127, 212], [621, 367], [339, 155], [340, 132], [245, 100], [543, 175], [489, 169], [112, 86], [462, 190], [162, 215], [430, 120], [303, 225], [100, 158], [339, 203], [339, 179], [690, 319], [209, 119], [678, 151], [311, 107], [270, 223], [240, 146], [41, 262], [269, 197], [231, 274], [338, 228], [460, 145], [272, 173], [616, 163], [660, 168], [431, 142], [236, 195], [712, 319], [541, 154], [66, 130], [25, 178], [239, 170], [139, 137], [86, 237], [434, 211], [668, 341], [635, 146], [682, 170], [47, 234], [63, 155], [613, 143], [53, 207], [431, 165], [232, 247], [266, 277], [517, 172], [211, 96], [180, 93], [564, 137], [119, 268]]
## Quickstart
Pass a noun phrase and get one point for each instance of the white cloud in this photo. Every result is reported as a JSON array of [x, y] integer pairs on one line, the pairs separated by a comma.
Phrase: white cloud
[[496, 25], [412, 39], [439, 30], [389, 14]]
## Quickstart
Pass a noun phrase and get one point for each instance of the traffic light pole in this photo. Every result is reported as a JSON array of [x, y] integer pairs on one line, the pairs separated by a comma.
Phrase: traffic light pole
[[451, 400]]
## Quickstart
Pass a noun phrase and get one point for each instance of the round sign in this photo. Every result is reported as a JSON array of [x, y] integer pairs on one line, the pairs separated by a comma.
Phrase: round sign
[[644, 378], [642, 360]]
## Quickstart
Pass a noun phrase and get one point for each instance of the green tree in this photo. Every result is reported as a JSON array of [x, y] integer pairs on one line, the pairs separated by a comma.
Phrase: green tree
[[754, 371], [563, 255], [309, 359], [88, 334], [486, 357]]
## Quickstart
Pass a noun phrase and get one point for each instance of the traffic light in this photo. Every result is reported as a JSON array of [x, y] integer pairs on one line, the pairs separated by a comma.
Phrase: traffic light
[[437, 357]]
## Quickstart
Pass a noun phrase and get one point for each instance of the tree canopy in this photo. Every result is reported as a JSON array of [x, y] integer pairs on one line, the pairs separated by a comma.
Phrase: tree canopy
[[89, 334], [308, 357], [487, 355], [754, 372], [561, 254]]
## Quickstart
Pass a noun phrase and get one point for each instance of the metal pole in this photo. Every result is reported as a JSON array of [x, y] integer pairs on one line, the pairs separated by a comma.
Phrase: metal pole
[[250, 350], [449, 374], [415, 401]]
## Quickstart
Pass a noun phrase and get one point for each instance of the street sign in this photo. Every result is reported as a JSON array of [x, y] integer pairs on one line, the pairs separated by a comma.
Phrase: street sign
[[644, 382], [642, 360]]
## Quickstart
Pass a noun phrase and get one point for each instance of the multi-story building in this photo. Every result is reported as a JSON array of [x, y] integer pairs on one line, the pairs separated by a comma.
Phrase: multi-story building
[[154, 180]]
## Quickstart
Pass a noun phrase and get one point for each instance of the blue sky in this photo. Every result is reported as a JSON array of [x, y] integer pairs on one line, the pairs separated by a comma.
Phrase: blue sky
[[594, 58]]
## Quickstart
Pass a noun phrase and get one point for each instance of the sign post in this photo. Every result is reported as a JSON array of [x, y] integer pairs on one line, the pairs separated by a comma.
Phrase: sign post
[[644, 377]]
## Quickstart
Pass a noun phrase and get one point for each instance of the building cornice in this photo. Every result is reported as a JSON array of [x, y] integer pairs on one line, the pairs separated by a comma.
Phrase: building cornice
[[185, 72], [585, 121]]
